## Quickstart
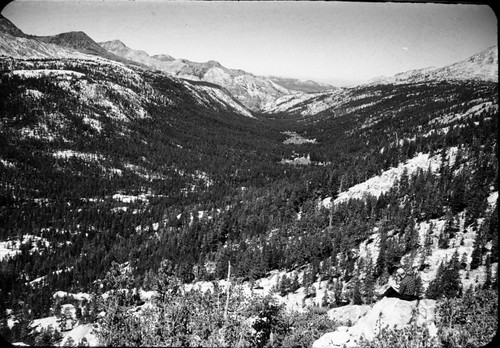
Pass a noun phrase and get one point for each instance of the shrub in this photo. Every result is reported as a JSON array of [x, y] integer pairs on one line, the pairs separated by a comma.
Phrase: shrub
[[269, 324], [470, 321], [305, 328], [176, 317], [411, 336]]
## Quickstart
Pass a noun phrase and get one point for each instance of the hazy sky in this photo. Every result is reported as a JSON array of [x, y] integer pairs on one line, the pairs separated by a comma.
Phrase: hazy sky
[[325, 41]]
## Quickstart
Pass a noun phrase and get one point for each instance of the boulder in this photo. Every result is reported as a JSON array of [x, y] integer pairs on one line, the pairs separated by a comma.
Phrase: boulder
[[339, 338], [79, 334], [388, 312], [348, 315]]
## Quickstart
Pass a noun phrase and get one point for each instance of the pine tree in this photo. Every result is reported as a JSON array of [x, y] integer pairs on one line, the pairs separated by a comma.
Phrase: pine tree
[[457, 200], [356, 289], [492, 233], [70, 342], [5, 331], [477, 251], [433, 290], [325, 301], [368, 287], [419, 286], [447, 282], [284, 286], [463, 261], [428, 240], [488, 282], [295, 285], [83, 342], [414, 237], [454, 261], [338, 292], [381, 262], [443, 241]]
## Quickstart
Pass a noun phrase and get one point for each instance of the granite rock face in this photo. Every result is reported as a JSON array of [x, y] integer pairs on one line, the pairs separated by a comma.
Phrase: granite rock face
[[348, 315], [388, 312]]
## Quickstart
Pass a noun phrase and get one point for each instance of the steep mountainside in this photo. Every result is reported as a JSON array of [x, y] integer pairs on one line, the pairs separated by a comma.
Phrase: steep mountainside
[[15, 43], [163, 57], [252, 91], [118, 48], [8, 27], [482, 67], [77, 40], [79, 46], [81, 42], [23, 47]]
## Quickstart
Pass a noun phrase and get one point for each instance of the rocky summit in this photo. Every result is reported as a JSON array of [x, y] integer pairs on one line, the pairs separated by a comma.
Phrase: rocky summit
[[388, 313], [252, 91]]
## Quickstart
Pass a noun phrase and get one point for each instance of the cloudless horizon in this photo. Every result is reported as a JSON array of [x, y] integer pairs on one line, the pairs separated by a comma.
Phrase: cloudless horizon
[[340, 43]]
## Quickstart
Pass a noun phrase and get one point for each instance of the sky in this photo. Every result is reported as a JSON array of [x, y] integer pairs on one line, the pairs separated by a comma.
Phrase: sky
[[341, 43]]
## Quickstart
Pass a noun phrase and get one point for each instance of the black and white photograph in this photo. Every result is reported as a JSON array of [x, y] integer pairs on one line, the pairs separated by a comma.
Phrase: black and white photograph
[[300, 174]]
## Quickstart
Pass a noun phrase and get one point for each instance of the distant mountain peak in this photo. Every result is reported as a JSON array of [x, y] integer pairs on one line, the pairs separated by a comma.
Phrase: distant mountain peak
[[213, 64], [114, 43], [163, 57], [74, 39], [250, 90], [488, 56], [480, 66], [307, 86], [75, 34], [15, 43]]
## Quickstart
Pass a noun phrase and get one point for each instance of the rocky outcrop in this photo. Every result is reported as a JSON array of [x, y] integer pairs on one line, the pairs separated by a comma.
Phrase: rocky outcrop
[[250, 90], [388, 312], [347, 315], [81, 335]]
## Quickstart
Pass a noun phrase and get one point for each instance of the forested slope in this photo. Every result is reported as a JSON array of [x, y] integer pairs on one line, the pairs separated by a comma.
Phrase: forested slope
[[104, 165]]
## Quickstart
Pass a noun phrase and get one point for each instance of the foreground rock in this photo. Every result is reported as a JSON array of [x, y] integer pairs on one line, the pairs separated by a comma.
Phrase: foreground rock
[[388, 312], [348, 315]]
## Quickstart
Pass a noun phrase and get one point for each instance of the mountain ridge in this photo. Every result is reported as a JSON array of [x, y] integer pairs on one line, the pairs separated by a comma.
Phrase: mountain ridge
[[251, 90], [307, 86], [7, 26], [60, 45], [481, 66], [78, 40], [78, 45]]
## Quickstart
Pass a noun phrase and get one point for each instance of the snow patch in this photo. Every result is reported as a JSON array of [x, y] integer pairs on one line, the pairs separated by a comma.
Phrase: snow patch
[[384, 182], [45, 323], [130, 198], [297, 139], [8, 249], [7, 164], [61, 74], [493, 198], [79, 333], [65, 154], [81, 296], [36, 94], [473, 111]]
